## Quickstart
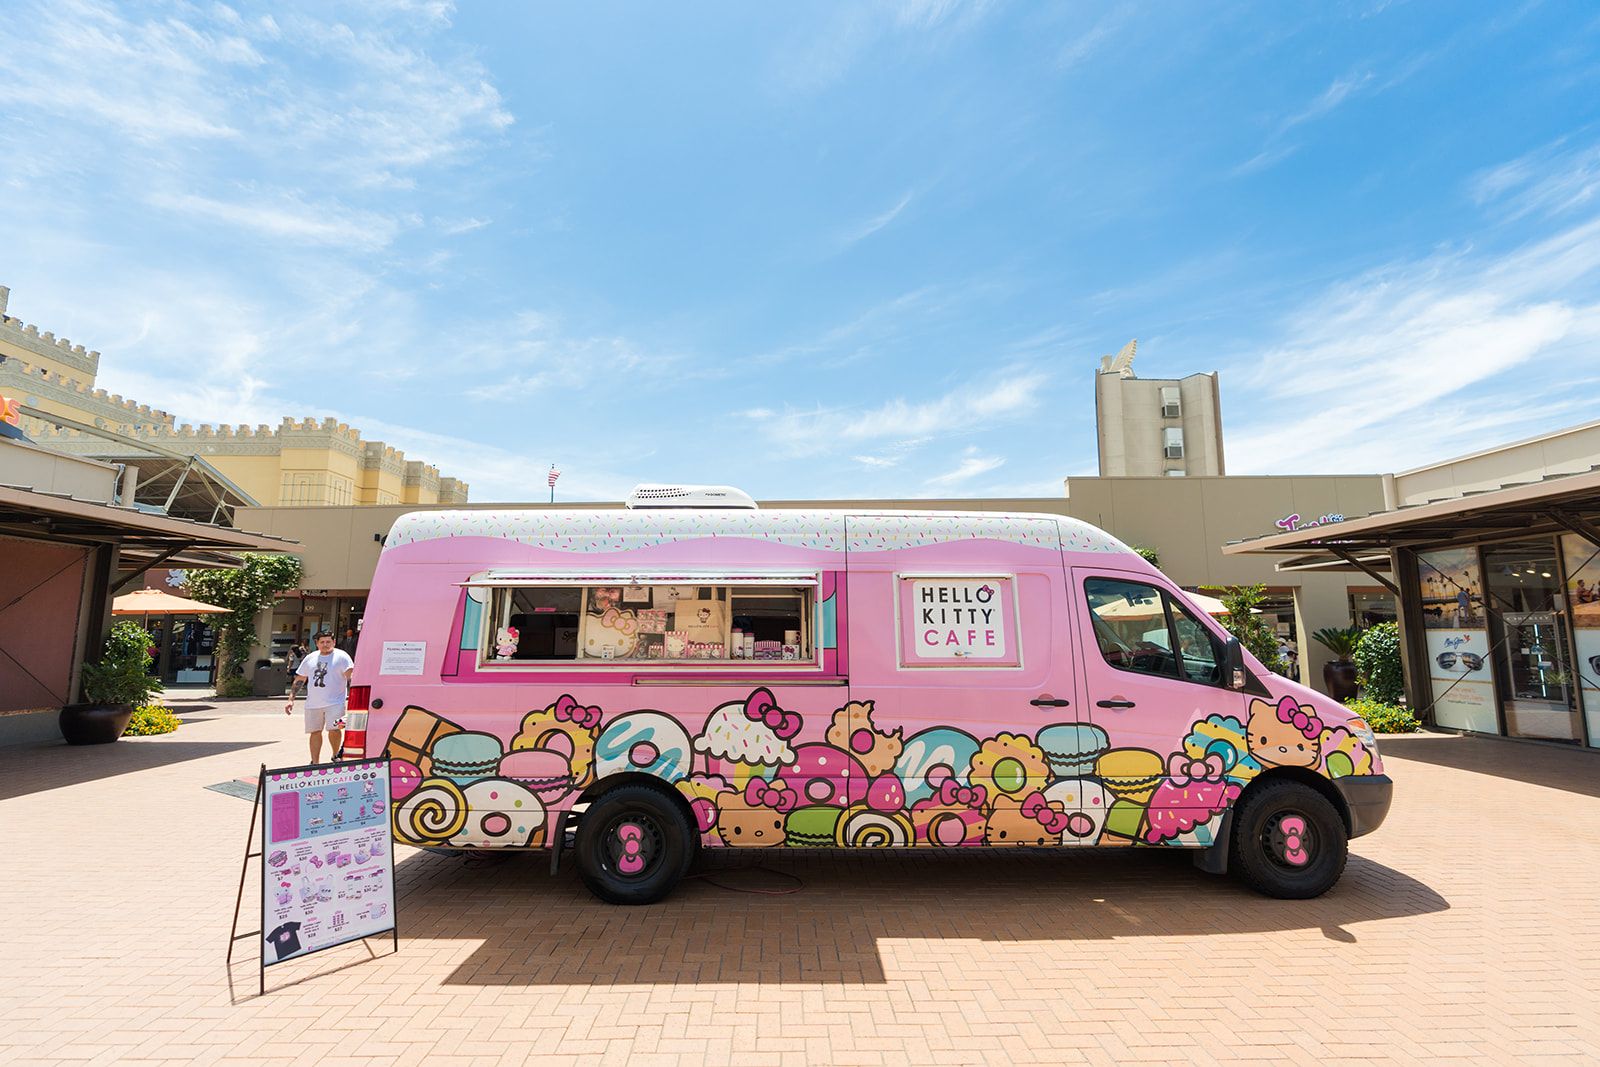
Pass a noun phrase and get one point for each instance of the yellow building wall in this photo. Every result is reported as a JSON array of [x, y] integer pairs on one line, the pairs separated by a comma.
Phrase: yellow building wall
[[259, 476]]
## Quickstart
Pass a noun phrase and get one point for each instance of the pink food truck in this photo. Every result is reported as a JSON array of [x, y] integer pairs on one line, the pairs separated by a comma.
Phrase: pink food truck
[[693, 671]]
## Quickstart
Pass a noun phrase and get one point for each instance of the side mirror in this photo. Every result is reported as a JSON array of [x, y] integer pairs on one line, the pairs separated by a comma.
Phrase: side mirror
[[1236, 672]]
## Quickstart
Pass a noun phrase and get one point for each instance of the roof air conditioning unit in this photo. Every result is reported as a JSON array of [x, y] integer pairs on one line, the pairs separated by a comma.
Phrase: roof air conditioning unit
[[690, 496], [1171, 410], [1174, 451]]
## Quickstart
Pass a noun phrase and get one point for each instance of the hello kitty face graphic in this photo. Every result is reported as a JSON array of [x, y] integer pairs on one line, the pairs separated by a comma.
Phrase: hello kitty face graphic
[[705, 616], [1285, 734]]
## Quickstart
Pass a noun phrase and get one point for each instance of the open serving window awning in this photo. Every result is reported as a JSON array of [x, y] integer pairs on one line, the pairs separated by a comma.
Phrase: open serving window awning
[[145, 538], [1566, 503]]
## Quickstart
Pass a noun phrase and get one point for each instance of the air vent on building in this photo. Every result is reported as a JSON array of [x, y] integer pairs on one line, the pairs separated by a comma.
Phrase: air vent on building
[[1174, 451], [690, 496]]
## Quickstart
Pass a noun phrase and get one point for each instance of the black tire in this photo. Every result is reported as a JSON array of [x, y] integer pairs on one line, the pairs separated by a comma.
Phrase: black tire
[[1288, 841], [634, 825]]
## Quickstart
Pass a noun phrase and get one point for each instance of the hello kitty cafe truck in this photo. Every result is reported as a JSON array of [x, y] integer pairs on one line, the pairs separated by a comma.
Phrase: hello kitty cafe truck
[[658, 679]]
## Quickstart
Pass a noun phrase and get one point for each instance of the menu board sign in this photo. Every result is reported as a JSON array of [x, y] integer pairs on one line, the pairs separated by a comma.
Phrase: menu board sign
[[328, 857], [967, 621]]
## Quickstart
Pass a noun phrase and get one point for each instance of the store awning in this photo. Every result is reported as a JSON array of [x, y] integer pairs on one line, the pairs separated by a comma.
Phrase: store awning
[[161, 602], [1566, 503], [145, 538]]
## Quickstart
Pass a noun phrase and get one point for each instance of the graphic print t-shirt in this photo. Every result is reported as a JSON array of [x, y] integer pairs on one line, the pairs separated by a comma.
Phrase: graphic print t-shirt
[[325, 682], [285, 940]]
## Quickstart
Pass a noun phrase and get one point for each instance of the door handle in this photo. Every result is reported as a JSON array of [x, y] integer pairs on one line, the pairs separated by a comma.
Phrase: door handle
[[1114, 704], [1049, 702]]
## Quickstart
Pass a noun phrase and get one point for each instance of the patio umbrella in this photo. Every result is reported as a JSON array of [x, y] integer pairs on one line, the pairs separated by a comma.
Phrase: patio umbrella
[[1122, 610], [160, 602]]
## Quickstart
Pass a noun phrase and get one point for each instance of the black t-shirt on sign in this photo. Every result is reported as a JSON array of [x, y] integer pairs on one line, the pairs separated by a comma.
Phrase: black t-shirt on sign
[[285, 940]]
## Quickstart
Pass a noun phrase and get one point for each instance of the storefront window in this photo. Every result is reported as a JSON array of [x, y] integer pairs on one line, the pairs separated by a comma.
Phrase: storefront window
[[1368, 609], [1461, 679], [1582, 559], [1530, 633]]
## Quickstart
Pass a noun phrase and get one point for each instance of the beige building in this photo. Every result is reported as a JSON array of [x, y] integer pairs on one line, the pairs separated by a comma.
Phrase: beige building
[[1185, 522], [297, 462], [1156, 427], [1496, 557]]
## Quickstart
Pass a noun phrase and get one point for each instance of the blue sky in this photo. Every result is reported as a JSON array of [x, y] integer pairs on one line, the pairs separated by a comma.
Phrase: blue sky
[[832, 250]]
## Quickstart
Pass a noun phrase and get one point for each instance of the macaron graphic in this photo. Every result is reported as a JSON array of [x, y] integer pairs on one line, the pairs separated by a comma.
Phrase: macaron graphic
[[1071, 748]]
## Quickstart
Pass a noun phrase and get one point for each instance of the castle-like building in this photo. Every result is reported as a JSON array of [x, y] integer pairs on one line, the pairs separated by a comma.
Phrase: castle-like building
[[297, 462]]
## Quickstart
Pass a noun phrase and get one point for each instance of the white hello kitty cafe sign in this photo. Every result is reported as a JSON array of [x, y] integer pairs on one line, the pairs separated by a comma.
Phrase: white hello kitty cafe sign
[[950, 621]]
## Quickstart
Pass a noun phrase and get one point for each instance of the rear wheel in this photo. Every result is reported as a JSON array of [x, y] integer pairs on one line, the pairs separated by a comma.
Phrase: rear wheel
[[1288, 841], [633, 845]]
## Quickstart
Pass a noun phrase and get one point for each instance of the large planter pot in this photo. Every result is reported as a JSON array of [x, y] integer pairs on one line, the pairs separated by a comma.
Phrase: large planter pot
[[1340, 678], [94, 724]]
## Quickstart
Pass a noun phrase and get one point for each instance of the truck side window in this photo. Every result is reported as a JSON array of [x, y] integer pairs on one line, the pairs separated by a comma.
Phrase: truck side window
[[1141, 628], [1197, 648], [750, 620], [1130, 625]]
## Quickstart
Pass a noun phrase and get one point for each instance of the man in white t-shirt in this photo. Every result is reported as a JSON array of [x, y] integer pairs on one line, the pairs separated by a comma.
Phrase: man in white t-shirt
[[326, 674]]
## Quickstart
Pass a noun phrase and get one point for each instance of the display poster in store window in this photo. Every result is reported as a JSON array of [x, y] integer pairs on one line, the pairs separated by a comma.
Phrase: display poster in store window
[[1462, 680], [1452, 589], [958, 621], [1582, 563], [328, 857]]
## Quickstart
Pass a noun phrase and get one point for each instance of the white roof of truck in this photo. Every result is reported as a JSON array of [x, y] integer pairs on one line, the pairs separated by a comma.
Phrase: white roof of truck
[[869, 530]]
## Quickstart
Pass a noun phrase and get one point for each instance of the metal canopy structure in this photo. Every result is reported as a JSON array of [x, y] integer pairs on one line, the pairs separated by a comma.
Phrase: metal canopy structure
[[1565, 503], [185, 487], [144, 540]]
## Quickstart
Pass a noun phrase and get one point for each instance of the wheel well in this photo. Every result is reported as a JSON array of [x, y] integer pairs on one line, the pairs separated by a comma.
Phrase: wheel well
[[649, 781], [1306, 778]]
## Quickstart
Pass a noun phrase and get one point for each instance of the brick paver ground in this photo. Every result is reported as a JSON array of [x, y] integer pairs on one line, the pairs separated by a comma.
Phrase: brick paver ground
[[1468, 928]]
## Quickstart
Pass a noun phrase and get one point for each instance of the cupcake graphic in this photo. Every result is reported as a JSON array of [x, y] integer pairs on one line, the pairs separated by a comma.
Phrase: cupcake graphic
[[1193, 792], [750, 738]]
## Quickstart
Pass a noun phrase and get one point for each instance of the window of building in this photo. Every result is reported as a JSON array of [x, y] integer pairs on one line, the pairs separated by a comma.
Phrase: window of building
[[750, 620], [1171, 405], [1172, 442], [1140, 628], [1175, 473]]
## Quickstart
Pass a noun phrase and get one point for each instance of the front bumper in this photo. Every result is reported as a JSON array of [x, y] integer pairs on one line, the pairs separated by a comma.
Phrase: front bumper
[[1367, 796]]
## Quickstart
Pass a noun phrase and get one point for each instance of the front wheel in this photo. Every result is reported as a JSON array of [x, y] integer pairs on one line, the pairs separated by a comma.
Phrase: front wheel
[[633, 845], [1289, 841]]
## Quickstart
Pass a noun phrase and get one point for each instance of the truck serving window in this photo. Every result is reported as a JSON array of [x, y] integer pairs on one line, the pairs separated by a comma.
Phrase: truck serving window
[[744, 620]]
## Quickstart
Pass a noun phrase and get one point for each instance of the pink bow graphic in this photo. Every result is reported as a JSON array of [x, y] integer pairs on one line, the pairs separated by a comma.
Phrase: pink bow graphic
[[758, 794], [762, 707], [624, 625], [569, 710], [1037, 808], [953, 794], [1183, 770], [1303, 719]]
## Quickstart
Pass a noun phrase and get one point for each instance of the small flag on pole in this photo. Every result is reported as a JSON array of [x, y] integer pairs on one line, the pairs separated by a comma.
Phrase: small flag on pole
[[555, 472]]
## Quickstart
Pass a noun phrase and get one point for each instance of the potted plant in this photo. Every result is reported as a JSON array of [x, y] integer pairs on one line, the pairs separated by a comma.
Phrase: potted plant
[[112, 688], [1339, 673]]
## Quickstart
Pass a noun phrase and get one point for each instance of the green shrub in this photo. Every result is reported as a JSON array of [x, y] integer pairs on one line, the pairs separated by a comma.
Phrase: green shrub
[[1251, 630], [119, 677], [235, 685], [1340, 640], [1385, 718], [151, 719], [1149, 555], [245, 591], [1378, 667]]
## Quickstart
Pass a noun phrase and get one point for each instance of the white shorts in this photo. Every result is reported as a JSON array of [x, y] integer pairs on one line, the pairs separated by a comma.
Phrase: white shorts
[[327, 717]]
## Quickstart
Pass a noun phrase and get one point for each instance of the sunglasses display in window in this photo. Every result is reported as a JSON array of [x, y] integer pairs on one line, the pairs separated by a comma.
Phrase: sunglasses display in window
[[1470, 661]]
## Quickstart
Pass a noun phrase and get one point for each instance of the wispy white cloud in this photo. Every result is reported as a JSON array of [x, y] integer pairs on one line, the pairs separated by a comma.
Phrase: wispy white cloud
[[534, 353], [861, 231], [1412, 362], [1342, 89], [289, 217], [461, 226], [972, 464], [978, 405], [820, 57], [1556, 179]]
